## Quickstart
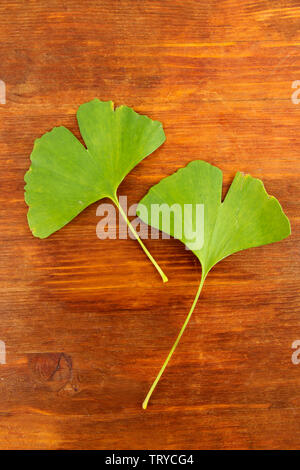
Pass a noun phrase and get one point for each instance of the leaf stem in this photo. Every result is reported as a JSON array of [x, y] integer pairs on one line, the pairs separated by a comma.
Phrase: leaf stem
[[133, 231], [145, 403]]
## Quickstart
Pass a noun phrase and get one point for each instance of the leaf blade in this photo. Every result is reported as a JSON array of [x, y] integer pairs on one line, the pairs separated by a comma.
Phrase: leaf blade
[[247, 207], [65, 177]]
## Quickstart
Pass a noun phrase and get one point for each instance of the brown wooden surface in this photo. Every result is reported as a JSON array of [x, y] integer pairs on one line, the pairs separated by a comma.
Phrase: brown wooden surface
[[87, 323]]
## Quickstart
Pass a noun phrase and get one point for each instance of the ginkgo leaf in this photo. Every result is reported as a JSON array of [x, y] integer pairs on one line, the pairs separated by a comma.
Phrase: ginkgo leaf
[[247, 217], [65, 176]]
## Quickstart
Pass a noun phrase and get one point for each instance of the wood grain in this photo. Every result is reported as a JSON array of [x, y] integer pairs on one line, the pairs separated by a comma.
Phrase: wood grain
[[87, 323]]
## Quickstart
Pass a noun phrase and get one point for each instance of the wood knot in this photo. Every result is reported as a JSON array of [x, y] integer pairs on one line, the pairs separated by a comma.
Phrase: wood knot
[[54, 370]]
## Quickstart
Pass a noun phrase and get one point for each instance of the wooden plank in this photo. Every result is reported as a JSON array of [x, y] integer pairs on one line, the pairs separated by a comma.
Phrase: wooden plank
[[87, 323]]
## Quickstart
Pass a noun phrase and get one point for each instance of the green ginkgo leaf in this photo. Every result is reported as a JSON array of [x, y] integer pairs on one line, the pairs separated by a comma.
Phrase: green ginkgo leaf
[[247, 217], [65, 176]]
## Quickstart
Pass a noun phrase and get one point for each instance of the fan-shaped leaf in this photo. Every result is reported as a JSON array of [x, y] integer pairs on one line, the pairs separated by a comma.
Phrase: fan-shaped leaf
[[65, 177], [248, 217]]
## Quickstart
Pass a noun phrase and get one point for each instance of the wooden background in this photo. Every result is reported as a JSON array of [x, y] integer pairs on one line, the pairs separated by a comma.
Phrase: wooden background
[[87, 323]]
